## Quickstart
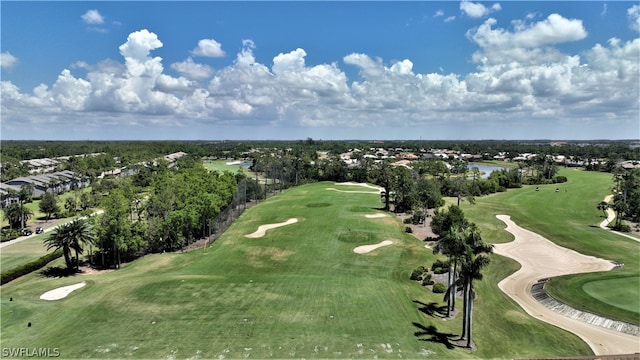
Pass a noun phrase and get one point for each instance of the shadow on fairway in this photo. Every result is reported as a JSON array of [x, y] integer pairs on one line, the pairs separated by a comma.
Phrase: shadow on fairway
[[432, 309], [434, 335], [57, 272]]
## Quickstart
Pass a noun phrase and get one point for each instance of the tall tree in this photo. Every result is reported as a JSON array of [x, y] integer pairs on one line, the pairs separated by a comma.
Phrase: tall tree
[[49, 204]]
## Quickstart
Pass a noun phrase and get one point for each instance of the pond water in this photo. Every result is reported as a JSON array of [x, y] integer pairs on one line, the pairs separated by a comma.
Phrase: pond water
[[484, 169]]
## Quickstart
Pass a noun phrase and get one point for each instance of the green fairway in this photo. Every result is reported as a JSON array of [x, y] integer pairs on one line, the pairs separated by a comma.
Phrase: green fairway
[[224, 165], [298, 292]]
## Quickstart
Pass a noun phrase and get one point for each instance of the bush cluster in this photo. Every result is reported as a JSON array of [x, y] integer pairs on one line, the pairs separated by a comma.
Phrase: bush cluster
[[29, 267], [9, 234]]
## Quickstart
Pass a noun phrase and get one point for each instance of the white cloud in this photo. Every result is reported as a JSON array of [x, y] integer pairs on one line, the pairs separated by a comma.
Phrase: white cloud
[[208, 48], [477, 10], [527, 42], [449, 19], [192, 70], [92, 17], [438, 13], [520, 75], [7, 61], [633, 13]]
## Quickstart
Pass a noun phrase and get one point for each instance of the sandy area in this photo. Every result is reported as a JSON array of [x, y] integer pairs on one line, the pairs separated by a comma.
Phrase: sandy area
[[541, 258], [362, 184], [368, 248], [375, 216], [61, 292], [262, 229]]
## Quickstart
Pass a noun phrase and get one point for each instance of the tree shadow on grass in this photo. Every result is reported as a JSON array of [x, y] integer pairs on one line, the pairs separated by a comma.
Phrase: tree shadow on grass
[[434, 335], [432, 309], [57, 272]]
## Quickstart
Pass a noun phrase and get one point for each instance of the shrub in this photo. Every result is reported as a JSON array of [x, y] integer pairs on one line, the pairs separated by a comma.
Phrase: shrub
[[408, 230], [560, 179], [440, 270], [439, 288], [427, 280], [406, 221], [621, 228], [439, 264], [415, 275], [9, 234]]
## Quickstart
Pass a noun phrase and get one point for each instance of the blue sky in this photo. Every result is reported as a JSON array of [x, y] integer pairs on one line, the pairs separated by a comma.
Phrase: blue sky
[[327, 70]]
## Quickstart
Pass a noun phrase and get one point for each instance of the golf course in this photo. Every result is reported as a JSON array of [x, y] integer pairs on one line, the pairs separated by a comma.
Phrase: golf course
[[285, 281]]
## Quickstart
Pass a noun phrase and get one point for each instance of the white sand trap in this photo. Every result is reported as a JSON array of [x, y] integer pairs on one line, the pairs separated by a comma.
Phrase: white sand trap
[[541, 258], [61, 292], [361, 184], [262, 229], [368, 248], [374, 216], [354, 191], [234, 162]]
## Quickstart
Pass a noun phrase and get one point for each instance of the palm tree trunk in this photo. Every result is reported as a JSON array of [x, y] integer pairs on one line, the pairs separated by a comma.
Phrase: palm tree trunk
[[77, 260], [453, 298], [67, 259], [449, 284], [470, 315], [465, 301]]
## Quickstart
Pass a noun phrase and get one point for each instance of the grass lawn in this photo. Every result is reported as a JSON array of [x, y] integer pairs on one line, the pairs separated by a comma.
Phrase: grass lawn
[[298, 292], [221, 166]]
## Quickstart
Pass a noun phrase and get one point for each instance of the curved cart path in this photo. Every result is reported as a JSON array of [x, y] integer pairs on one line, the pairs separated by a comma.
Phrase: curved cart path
[[541, 258]]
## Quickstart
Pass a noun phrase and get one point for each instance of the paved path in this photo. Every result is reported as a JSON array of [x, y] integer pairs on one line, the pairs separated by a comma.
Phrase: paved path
[[610, 216]]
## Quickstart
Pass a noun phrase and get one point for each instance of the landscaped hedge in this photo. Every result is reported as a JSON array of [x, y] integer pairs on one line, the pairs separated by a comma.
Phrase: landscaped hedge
[[29, 267]]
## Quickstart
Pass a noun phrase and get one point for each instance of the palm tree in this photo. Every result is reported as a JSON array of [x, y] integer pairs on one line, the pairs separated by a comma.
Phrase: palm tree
[[71, 236], [59, 240], [451, 244], [471, 266]]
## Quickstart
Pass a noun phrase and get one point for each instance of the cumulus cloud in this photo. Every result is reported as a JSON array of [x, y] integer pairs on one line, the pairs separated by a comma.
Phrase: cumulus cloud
[[528, 42], [7, 61], [478, 10], [92, 17], [633, 13], [192, 70], [439, 13], [520, 74], [208, 48]]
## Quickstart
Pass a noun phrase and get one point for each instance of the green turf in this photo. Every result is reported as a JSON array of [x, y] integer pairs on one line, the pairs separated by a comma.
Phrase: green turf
[[221, 166], [22, 252], [616, 292], [298, 292]]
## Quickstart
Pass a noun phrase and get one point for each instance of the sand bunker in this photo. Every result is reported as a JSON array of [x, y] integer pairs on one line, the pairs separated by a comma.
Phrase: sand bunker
[[61, 292], [378, 188], [541, 258], [368, 248], [262, 229], [374, 216]]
